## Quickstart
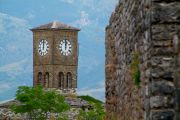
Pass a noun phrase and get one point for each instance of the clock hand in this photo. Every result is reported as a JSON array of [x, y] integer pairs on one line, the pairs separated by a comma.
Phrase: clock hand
[[43, 44], [65, 45]]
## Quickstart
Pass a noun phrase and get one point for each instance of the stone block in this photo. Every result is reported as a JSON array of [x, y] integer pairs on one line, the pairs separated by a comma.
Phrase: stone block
[[165, 1], [160, 51], [162, 87], [162, 32], [178, 100], [164, 62], [166, 12], [162, 73], [162, 115], [161, 102], [147, 105]]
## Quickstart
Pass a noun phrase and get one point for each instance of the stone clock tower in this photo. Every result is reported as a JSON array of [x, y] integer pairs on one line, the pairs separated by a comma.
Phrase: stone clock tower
[[55, 56]]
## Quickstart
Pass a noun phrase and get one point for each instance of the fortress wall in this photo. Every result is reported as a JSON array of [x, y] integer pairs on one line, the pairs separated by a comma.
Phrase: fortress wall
[[148, 29]]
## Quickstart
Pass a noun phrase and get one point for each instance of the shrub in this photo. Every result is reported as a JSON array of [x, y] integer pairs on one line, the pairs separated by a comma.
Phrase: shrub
[[97, 113], [37, 103]]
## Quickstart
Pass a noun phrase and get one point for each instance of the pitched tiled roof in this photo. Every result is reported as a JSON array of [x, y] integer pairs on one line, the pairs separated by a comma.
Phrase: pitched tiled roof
[[55, 26]]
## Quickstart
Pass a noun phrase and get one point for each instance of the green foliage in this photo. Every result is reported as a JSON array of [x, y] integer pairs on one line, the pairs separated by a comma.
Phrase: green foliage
[[90, 99], [135, 71], [90, 115], [37, 103], [63, 117], [96, 113]]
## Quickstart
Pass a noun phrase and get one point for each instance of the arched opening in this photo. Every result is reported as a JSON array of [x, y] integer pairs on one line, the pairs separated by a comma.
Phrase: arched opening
[[69, 80], [61, 80], [39, 81], [46, 81]]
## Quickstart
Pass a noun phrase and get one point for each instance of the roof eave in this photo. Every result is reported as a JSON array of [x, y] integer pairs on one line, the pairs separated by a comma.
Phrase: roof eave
[[54, 29]]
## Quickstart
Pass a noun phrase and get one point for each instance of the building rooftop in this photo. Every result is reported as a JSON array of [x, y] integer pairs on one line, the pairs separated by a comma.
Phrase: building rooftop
[[55, 26]]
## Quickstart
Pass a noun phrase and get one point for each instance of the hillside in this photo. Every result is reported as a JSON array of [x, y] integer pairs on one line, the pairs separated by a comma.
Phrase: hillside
[[80, 107]]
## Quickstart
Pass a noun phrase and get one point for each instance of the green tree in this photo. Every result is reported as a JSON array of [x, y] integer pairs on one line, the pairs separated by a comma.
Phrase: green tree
[[38, 103], [96, 113]]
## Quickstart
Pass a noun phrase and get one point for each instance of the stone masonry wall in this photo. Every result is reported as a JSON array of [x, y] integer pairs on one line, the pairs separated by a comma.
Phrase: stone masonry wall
[[149, 28]]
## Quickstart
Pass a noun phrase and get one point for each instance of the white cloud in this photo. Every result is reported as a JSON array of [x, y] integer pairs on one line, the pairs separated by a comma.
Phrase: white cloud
[[16, 68], [2, 51], [2, 28], [8, 23], [91, 3], [88, 63], [4, 87], [11, 48], [15, 54], [97, 92], [13, 67], [30, 15], [68, 1], [102, 6], [15, 40], [17, 22], [83, 20], [91, 91]]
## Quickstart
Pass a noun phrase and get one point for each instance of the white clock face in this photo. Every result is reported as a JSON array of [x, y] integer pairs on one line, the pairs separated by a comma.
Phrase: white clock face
[[65, 47], [43, 47]]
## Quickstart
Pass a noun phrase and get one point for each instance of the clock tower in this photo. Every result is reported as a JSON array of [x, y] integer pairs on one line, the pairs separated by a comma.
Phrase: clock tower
[[55, 56]]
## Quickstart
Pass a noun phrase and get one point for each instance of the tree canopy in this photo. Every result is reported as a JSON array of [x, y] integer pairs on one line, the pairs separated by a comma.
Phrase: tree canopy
[[38, 103]]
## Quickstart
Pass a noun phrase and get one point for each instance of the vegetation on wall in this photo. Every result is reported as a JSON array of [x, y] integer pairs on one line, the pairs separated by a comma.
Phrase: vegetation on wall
[[135, 71]]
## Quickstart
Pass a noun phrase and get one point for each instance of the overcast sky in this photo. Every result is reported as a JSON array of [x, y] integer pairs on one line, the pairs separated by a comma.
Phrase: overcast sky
[[18, 16]]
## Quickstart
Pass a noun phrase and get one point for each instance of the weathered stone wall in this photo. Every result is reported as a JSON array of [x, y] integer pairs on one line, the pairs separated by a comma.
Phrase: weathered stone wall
[[148, 28]]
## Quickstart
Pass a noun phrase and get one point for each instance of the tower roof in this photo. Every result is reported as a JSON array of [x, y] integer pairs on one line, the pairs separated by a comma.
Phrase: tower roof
[[55, 26]]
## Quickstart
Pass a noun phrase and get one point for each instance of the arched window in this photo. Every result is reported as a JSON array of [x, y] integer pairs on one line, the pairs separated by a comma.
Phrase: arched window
[[61, 80], [69, 80], [39, 81], [46, 81]]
